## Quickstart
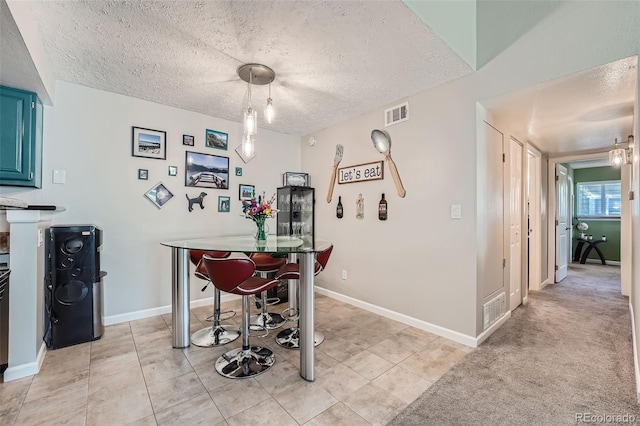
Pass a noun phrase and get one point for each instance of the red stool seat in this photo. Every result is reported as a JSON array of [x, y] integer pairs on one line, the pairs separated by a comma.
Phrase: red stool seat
[[267, 263]]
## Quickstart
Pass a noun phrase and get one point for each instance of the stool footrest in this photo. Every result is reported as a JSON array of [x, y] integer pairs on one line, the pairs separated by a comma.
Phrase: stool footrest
[[291, 314], [272, 301]]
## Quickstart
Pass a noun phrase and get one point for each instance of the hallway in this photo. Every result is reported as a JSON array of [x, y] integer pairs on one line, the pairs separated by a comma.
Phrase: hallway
[[567, 352]]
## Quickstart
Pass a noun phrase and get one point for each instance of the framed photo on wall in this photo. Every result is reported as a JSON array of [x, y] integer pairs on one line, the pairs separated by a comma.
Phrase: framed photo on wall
[[187, 140], [246, 191], [159, 195], [148, 143], [143, 174], [224, 204], [296, 179], [206, 170], [216, 139]]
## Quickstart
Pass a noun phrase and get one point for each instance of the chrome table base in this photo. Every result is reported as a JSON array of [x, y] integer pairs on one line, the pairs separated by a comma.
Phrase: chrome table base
[[245, 363]]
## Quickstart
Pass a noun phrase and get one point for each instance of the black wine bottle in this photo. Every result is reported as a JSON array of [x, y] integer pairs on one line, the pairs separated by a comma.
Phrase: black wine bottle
[[339, 212], [382, 209]]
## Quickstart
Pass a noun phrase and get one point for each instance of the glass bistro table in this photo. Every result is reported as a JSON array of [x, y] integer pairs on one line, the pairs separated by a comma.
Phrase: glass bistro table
[[304, 247]]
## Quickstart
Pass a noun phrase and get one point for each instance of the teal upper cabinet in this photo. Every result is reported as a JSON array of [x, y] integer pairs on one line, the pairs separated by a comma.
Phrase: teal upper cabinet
[[20, 138]]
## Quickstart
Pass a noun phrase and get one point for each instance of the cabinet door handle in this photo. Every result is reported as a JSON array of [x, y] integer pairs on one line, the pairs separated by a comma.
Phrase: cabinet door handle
[[30, 175]]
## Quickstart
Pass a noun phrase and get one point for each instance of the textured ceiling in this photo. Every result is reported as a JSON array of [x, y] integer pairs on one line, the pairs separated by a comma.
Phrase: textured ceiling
[[584, 111], [333, 60]]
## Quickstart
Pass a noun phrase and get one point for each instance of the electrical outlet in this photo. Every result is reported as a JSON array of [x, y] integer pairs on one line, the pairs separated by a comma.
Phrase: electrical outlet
[[344, 274]]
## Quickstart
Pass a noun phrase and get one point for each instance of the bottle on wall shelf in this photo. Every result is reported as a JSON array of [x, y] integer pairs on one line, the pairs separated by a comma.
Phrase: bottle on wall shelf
[[360, 207], [382, 208], [339, 211]]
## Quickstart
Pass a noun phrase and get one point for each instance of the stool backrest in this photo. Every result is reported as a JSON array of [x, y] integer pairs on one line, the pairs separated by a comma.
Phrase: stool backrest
[[323, 258], [196, 255], [227, 274]]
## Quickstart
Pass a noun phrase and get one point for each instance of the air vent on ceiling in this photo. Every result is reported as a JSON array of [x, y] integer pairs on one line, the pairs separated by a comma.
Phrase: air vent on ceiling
[[493, 310], [396, 114]]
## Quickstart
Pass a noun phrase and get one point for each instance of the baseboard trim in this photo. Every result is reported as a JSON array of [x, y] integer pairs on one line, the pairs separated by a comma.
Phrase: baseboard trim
[[146, 313], [544, 284], [405, 319], [634, 342], [489, 331], [598, 261], [23, 370]]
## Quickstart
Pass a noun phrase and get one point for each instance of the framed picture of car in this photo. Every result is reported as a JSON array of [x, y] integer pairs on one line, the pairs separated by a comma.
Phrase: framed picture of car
[[216, 139]]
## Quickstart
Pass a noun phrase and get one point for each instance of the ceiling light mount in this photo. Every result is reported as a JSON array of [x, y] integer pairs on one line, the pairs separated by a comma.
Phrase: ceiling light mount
[[621, 154], [260, 75], [257, 74]]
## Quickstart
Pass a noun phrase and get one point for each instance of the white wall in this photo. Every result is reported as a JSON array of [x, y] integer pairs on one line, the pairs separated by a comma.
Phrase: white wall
[[88, 134], [420, 262]]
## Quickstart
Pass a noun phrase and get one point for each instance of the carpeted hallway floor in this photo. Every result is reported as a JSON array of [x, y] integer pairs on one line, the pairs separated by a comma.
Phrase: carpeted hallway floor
[[566, 353]]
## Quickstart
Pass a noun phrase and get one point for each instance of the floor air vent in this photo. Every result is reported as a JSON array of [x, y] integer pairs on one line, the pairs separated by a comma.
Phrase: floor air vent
[[396, 114], [493, 310]]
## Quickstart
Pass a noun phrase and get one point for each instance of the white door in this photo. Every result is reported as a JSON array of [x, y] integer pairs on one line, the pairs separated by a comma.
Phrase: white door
[[515, 224], [563, 227], [492, 238]]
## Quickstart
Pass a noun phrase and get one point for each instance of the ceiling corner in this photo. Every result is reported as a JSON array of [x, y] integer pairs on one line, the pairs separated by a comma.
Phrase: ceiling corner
[[453, 21], [29, 68]]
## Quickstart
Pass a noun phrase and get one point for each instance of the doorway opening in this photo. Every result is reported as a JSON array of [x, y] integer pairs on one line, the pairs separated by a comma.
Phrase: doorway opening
[[591, 221]]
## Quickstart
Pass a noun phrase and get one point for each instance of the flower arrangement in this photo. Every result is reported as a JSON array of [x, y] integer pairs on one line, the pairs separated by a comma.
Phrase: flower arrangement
[[258, 211]]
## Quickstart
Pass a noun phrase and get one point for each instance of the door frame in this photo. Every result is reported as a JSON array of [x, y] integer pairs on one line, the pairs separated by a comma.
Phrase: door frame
[[508, 194], [534, 254], [551, 228]]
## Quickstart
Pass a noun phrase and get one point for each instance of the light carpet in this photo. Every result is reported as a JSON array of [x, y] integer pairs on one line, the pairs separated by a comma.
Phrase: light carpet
[[566, 354]]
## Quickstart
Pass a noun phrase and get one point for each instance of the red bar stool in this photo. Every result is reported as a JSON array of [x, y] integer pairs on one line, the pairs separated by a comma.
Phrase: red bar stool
[[265, 265], [236, 275], [290, 337], [218, 334]]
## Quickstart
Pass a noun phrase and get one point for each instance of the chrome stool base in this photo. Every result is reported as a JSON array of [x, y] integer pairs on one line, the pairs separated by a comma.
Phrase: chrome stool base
[[269, 320], [245, 363], [290, 338], [215, 336]]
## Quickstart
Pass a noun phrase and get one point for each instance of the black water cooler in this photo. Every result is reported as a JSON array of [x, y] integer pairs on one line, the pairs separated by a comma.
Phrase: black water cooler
[[73, 285]]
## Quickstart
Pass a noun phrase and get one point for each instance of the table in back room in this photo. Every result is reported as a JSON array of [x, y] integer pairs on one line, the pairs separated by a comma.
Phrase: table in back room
[[578, 255], [304, 247]]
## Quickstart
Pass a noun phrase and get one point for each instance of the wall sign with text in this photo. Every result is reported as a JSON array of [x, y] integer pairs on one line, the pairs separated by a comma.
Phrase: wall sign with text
[[361, 172]]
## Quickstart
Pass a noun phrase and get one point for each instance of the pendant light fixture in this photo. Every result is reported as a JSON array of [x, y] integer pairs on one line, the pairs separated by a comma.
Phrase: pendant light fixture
[[269, 110], [254, 74]]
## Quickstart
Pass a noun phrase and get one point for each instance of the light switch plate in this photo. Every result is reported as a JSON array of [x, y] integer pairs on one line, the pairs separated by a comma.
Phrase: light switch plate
[[456, 211], [59, 176]]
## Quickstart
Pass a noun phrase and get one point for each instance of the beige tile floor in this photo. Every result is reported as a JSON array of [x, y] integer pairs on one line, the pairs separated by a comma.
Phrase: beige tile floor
[[367, 370]]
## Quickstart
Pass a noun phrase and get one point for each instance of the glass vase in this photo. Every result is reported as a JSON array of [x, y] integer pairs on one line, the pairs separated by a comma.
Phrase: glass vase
[[261, 232]]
